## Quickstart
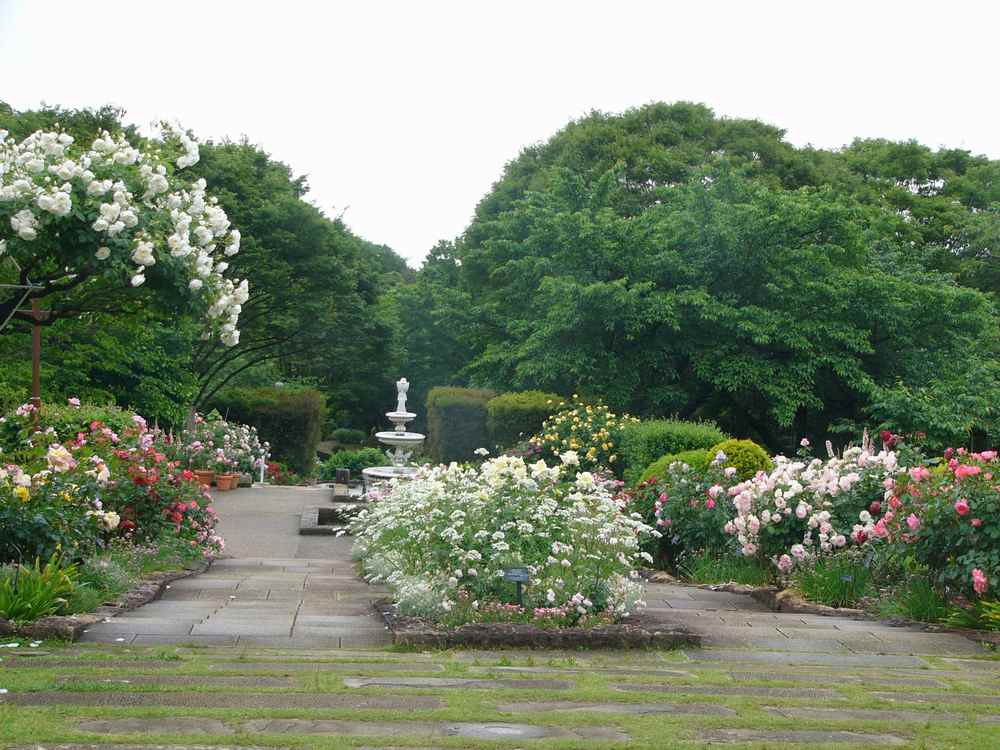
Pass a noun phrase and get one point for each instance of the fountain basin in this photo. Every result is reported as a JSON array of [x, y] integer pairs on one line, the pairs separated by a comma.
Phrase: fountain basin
[[405, 439]]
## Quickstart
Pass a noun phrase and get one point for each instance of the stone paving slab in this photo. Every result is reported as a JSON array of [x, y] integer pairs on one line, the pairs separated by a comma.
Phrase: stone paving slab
[[747, 690], [955, 698], [471, 730], [255, 681], [449, 682], [306, 666], [652, 671], [641, 709], [778, 657], [180, 725], [833, 678], [861, 714], [188, 699], [807, 737]]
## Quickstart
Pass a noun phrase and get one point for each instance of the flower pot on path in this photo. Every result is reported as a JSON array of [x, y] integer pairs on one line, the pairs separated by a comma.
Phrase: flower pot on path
[[205, 476], [226, 482]]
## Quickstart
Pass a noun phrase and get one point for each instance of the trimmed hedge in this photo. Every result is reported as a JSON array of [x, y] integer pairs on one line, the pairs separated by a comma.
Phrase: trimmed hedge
[[290, 419], [644, 442], [698, 459], [456, 423], [347, 436], [745, 455], [356, 461], [513, 417]]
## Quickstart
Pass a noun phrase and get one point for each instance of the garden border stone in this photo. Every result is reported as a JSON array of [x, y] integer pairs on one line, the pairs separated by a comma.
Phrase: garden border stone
[[413, 631], [71, 627]]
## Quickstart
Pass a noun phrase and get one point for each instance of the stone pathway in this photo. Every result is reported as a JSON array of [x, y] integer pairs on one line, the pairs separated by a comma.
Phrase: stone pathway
[[274, 588]]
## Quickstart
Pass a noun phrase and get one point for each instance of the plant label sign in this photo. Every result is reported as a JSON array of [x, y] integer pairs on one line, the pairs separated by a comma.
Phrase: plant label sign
[[516, 575]]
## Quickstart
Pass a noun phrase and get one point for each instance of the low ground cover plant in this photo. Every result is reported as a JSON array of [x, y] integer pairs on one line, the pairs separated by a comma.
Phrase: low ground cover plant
[[443, 541]]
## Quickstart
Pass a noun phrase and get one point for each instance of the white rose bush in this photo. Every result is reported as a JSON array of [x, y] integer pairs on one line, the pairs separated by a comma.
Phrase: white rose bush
[[70, 214], [443, 540]]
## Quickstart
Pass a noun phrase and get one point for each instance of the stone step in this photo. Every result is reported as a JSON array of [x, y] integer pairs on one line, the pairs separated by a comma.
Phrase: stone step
[[455, 682], [188, 699]]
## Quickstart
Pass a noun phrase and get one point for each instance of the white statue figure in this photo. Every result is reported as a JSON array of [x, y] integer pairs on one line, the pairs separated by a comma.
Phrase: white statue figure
[[402, 386]]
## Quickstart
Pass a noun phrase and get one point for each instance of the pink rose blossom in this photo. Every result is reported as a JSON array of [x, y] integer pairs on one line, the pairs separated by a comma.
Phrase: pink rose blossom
[[919, 473], [976, 522], [979, 581], [74, 402], [913, 522], [710, 503], [963, 471], [988, 455], [962, 507], [785, 563]]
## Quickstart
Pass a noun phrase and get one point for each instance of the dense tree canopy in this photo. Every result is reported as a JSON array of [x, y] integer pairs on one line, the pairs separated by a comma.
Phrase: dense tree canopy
[[672, 262]]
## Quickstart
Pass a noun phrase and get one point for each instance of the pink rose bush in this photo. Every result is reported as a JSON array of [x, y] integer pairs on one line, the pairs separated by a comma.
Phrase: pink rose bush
[[805, 508], [949, 519]]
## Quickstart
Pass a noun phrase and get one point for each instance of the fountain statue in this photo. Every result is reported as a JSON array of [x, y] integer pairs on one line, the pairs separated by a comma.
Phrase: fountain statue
[[402, 442]]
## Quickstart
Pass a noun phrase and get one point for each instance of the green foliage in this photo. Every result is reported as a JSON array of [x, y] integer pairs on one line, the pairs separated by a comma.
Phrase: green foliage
[[28, 593], [347, 436], [982, 614], [456, 423], [356, 461], [672, 262], [916, 599], [316, 314], [745, 455], [514, 417], [836, 581], [697, 459], [711, 567], [290, 419], [644, 442]]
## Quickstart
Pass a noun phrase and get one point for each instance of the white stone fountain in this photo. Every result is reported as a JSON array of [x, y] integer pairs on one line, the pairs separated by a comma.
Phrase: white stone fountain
[[404, 443]]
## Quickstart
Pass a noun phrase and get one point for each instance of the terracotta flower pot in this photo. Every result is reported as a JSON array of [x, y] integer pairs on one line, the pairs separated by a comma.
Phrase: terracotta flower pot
[[226, 482], [205, 476]]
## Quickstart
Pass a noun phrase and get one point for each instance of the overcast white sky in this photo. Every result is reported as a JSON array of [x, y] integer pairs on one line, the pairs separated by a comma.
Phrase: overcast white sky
[[404, 113]]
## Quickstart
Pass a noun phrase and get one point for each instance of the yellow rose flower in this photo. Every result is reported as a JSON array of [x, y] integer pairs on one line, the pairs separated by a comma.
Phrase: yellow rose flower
[[22, 494]]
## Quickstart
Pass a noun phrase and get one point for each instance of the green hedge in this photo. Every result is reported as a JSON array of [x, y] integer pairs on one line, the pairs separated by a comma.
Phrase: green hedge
[[356, 461], [347, 436], [290, 419], [643, 443], [456, 423], [513, 417], [698, 459]]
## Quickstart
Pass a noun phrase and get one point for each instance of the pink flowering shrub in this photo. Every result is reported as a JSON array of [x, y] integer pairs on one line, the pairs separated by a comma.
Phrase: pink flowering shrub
[[949, 520], [805, 508], [688, 507], [78, 483]]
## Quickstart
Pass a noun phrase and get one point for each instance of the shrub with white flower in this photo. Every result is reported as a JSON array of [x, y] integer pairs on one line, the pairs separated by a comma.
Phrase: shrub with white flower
[[443, 540], [72, 213], [804, 508]]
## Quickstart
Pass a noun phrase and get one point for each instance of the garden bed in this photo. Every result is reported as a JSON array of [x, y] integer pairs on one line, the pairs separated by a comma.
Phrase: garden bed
[[637, 633], [70, 627]]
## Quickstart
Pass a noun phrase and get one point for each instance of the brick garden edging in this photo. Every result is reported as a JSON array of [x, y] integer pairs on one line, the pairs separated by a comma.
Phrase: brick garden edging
[[412, 631], [70, 627]]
